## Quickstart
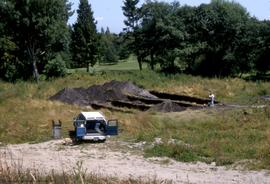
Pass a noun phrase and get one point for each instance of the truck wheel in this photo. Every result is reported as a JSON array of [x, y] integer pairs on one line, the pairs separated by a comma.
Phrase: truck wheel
[[102, 141], [72, 134], [76, 140]]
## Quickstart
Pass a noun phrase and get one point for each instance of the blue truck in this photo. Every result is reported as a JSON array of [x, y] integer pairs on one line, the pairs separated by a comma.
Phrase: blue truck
[[93, 126]]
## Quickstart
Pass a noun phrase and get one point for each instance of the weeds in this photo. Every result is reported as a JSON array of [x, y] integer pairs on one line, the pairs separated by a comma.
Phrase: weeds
[[178, 152], [13, 172], [223, 136]]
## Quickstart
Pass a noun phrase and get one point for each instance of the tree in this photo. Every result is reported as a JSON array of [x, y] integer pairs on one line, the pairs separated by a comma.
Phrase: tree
[[132, 36], [162, 33], [130, 11], [122, 46], [55, 67], [262, 49], [43, 25], [108, 47], [37, 31], [8, 59], [215, 39], [216, 33], [84, 37]]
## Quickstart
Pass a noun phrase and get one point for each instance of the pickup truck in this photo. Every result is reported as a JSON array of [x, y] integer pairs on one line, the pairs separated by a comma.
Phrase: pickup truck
[[93, 126]]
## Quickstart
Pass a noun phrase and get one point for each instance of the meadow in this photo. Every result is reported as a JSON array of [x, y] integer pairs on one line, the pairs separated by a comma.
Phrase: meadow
[[226, 135]]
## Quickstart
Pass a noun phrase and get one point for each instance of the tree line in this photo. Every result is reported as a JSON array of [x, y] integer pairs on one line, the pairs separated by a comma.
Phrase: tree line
[[33, 36], [36, 40], [215, 39]]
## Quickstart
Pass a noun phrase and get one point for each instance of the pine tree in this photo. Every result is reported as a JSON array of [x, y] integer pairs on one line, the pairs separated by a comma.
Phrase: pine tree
[[131, 12], [84, 37]]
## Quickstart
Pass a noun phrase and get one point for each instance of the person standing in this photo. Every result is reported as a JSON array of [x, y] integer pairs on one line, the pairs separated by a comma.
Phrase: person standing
[[212, 100]]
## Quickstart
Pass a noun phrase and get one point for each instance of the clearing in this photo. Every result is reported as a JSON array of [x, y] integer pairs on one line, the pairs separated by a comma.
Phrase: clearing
[[118, 95], [122, 160]]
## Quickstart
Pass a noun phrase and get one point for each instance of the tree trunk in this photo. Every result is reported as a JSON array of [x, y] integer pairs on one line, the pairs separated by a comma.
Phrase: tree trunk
[[35, 70], [139, 59], [152, 61], [87, 67], [240, 75], [33, 59]]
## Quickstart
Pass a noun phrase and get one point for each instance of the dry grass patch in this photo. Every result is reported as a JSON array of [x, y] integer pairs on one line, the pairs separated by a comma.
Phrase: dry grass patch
[[23, 121], [222, 136]]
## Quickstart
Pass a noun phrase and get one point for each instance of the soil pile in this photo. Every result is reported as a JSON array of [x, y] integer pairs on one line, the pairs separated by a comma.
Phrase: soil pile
[[116, 90], [110, 91], [167, 106], [115, 94], [75, 96]]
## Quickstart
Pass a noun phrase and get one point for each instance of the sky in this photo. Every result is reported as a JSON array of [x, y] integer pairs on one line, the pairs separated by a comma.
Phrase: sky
[[108, 13]]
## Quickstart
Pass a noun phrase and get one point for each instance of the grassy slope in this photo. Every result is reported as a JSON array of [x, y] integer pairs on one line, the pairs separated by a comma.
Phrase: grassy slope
[[223, 136]]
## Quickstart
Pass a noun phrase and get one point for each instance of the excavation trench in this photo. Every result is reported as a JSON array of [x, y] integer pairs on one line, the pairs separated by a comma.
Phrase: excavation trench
[[196, 100], [124, 95]]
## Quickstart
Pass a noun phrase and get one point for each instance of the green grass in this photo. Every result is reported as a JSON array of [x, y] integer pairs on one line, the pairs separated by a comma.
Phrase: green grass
[[124, 65], [224, 136], [129, 64]]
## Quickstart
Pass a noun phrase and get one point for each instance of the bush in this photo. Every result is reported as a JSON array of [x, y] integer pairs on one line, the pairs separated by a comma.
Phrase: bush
[[55, 67], [8, 72], [182, 153]]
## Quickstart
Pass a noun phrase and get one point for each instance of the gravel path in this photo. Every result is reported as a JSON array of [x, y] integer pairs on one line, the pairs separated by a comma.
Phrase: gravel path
[[109, 160]]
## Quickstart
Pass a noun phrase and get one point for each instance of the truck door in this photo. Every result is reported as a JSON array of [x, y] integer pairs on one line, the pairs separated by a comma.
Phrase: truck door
[[112, 127], [80, 131], [80, 128]]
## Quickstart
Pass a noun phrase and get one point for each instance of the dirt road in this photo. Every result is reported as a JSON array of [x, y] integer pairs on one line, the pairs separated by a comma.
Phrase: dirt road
[[110, 159]]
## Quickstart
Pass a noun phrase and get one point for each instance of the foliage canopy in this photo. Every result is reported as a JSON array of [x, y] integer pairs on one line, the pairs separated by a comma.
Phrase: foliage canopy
[[32, 33]]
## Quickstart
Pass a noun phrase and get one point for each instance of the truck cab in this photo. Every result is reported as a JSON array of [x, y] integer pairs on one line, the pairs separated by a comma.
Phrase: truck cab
[[93, 126]]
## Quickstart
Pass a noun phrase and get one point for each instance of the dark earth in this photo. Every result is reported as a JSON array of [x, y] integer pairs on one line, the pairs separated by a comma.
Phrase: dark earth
[[121, 95]]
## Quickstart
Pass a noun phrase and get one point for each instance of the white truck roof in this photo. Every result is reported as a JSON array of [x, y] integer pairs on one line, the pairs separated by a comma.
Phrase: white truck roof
[[93, 115]]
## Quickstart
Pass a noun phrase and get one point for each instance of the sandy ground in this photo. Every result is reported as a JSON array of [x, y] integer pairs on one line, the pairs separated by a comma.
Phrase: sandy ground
[[110, 159]]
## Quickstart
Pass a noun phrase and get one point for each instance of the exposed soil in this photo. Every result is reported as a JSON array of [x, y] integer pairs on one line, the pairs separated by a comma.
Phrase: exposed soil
[[110, 91], [122, 160], [75, 96], [115, 94], [181, 97], [167, 106]]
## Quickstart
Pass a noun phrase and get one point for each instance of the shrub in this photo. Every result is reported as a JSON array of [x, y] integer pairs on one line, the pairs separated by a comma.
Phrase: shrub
[[55, 67]]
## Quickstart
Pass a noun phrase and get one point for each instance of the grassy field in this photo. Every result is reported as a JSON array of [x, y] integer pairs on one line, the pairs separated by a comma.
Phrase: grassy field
[[224, 136], [129, 64]]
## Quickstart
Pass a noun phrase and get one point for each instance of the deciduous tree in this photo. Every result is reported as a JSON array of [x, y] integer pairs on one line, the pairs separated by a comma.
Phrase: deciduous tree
[[38, 30]]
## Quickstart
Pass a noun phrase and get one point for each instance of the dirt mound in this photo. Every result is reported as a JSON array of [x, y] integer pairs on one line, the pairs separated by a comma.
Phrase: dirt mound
[[110, 91], [76, 96], [126, 95], [127, 88], [167, 106]]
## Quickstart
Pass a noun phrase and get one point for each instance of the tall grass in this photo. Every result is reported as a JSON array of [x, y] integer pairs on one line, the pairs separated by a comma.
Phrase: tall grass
[[13, 172], [230, 89], [224, 136]]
